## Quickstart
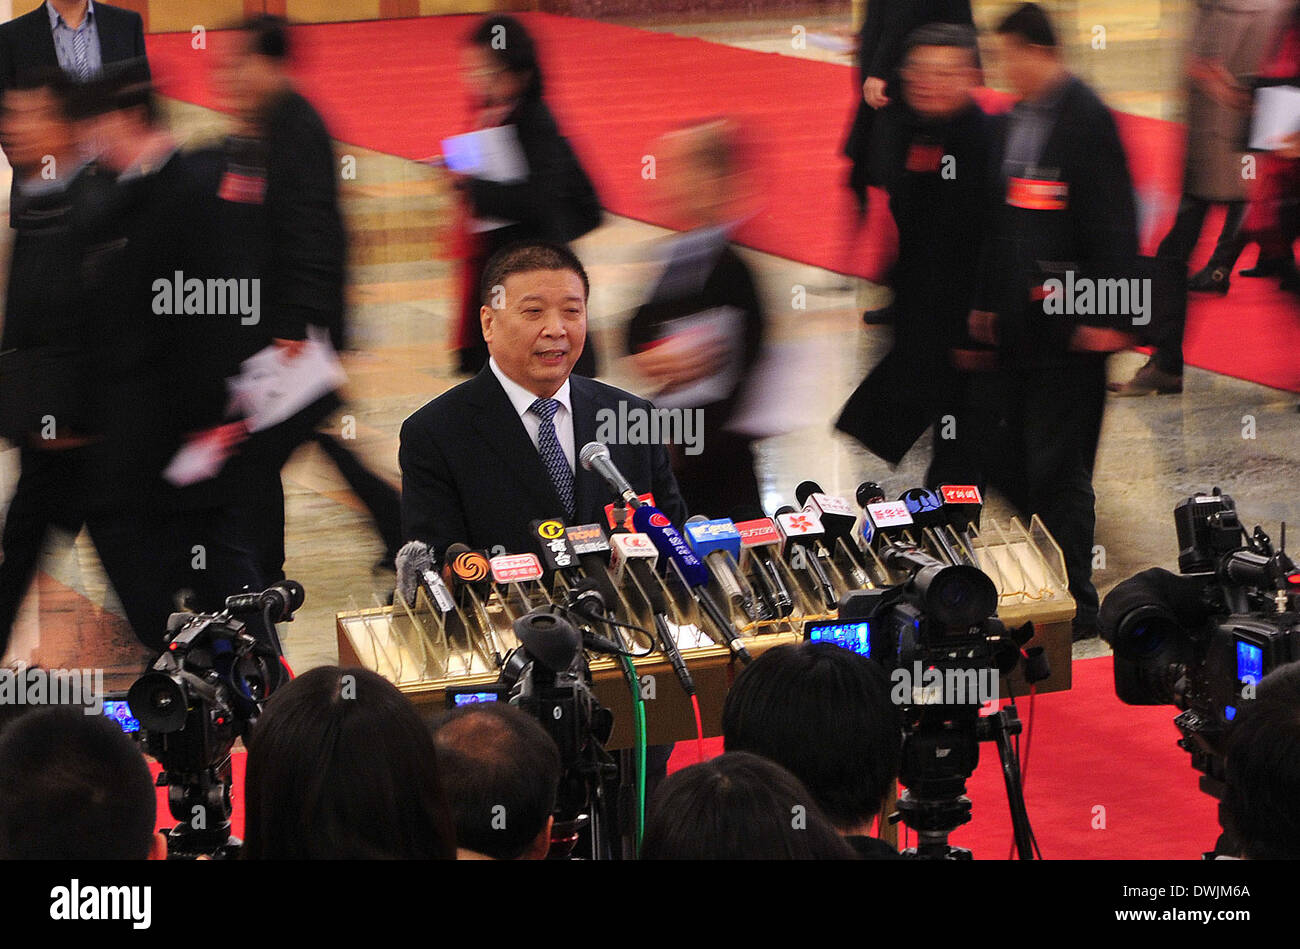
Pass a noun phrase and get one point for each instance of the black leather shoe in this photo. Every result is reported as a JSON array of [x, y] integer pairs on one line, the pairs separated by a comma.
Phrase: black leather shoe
[[1209, 280]]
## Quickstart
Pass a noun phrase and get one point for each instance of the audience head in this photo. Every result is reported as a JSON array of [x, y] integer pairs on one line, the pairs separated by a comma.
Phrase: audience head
[[825, 714], [501, 773], [37, 124], [73, 787], [738, 807], [534, 313], [1027, 44], [119, 114], [500, 63], [1261, 805], [940, 69], [341, 766]]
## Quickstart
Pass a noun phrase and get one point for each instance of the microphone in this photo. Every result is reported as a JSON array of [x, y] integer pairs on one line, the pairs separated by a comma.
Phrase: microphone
[[714, 540], [595, 457], [553, 545], [282, 599], [592, 548], [801, 529], [466, 569], [962, 504], [670, 544], [927, 509], [757, 534], [885, 520], [416, 569], [838, 519], [637, 554]]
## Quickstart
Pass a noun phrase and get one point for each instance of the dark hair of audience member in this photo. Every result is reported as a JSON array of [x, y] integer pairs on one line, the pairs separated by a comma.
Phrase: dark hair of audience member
[[497, 761], [738, 807], [341, 766], [824, 713], [1030, 24], [524, 257], [50, 78], [267, 35], [1261, 803], [508, 42], [73, 787]]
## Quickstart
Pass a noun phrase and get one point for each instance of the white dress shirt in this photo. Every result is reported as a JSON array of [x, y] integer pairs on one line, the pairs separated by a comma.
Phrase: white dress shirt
[[522, 400]]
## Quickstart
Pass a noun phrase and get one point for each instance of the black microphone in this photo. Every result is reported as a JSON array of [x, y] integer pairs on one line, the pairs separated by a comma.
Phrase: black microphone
[[592, 549], [465, 569], [801, 529], [838, 519], [637, 554], [757, 533], [714, 540], [927, 509], [281, 598]]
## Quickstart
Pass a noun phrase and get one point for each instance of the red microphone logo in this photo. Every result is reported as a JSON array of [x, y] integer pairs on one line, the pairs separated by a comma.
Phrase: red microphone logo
[[659, 519]]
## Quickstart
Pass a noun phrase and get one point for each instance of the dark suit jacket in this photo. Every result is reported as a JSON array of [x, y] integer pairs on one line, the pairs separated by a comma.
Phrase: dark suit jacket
[[27, 42], [471, 474], [1094, 233]]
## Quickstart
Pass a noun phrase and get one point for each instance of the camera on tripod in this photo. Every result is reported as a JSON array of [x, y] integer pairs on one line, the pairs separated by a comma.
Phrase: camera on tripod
[[1202, 639], [547, 677], [938, 636], [206, 690]]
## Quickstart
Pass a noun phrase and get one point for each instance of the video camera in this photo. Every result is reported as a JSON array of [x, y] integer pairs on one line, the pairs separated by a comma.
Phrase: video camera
[[1202, 639], [207, 689]]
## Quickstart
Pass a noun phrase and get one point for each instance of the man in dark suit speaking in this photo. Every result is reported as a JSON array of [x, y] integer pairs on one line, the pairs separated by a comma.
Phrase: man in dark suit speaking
[[498, 451]]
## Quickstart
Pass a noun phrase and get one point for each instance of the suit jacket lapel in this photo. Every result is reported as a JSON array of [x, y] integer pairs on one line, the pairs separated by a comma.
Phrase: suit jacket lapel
[[590, 492], [42, 36], [503, 433]]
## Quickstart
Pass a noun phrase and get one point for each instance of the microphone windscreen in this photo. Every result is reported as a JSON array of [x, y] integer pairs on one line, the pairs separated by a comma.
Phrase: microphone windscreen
[[869, 493], [412, 559], [785, 509], [805, 490], [590, 452]]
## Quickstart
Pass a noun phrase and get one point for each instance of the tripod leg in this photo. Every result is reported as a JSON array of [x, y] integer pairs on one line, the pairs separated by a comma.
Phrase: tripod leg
[[1015, 793]]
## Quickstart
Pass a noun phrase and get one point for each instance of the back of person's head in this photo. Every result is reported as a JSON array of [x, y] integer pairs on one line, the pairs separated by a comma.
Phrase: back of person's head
[[525, 257], [267, 35], [73, 787], [947, 35], [1261, 804], [341, 766], [508, 42], [501, 772], [825, 714], [123, 87], [1030, 24], [738, 807]]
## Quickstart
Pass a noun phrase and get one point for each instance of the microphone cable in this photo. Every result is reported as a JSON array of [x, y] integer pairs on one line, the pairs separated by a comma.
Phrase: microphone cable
[[639, 743]]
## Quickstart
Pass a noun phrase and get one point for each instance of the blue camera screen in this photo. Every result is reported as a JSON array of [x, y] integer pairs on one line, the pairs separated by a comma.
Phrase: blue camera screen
[[1250, 662], [119, 711], [474, 698], [856, 637]]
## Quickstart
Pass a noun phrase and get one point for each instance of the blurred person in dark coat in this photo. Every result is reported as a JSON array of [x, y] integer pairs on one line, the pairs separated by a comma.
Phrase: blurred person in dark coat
[[1228, 43], [933, 155], [283, 224], [699, 335], [554, 202], [1065, 212]]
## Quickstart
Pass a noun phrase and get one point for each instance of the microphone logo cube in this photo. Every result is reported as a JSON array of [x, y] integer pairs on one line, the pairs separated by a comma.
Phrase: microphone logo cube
[[889, 514], [516, 568], [961, 494], [799, 524]]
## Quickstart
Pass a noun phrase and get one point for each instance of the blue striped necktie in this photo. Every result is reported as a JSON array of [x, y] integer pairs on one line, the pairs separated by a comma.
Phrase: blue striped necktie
[[548, 446]]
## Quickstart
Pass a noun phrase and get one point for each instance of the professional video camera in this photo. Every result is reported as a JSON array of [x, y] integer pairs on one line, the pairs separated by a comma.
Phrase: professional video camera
[[938, 636], [547, 676], [1202, 639], [207, 689]]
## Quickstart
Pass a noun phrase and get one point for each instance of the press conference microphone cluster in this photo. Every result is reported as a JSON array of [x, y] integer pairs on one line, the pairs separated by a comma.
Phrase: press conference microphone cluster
[[670, 544], [416, 570]]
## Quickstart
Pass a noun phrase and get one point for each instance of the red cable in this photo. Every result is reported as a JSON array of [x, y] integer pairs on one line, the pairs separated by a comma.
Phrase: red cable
[[699, 731], [285, 662]]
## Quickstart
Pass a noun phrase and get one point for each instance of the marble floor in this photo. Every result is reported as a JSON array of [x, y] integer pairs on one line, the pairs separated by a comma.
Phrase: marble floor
[[1154, 451]]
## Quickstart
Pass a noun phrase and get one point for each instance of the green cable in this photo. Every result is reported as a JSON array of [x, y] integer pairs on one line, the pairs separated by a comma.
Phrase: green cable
[[638, 706]]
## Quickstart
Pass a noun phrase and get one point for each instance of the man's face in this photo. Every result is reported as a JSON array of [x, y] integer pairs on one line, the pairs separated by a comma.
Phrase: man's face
[[34, 128], [538, 331], [937, 80], [1020, 62], [243, 79]]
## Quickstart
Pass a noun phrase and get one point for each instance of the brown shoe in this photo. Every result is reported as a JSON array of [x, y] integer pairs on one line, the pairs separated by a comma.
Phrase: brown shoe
[[1146, 381]]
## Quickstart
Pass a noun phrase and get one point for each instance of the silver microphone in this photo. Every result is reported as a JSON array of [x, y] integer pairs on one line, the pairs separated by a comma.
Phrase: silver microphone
[[595, 457]]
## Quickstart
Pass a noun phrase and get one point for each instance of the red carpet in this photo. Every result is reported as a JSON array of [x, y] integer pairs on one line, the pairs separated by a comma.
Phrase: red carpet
[[1089, 751], [394, 86]]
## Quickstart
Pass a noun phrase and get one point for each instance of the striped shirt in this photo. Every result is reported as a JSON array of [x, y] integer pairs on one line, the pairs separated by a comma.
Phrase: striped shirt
[[78, 50]]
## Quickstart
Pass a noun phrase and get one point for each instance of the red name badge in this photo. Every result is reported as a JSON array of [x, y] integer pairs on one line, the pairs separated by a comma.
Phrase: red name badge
[[1034, 194], [923, 158], [648, 498], [242, 189]]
